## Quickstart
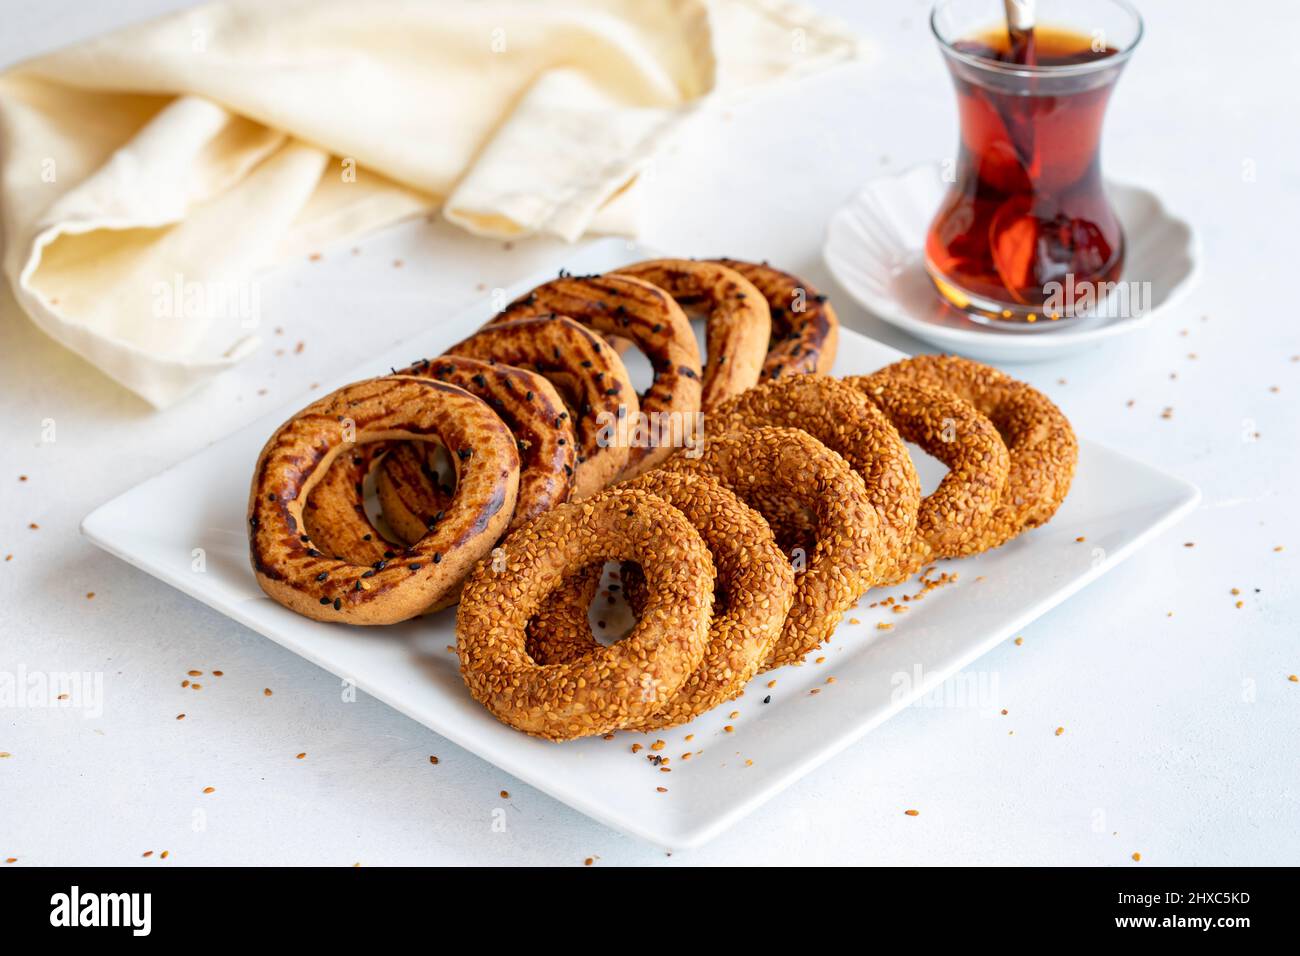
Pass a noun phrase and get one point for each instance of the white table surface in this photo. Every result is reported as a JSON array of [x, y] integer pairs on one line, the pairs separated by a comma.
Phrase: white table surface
[[1182, 732]]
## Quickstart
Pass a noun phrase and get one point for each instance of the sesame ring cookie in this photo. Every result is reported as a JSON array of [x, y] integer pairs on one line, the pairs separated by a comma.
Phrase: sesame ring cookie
[[766, 465], [613, 685], [532, 409], [292, 571], [955, 514], [1040, 442], [629, 308], [844, 421], [590, 377], [755, 589], [738, 322], [805, 331]]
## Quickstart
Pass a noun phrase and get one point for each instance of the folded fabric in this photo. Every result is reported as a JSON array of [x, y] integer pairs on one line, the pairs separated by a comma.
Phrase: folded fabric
[[145, 175]]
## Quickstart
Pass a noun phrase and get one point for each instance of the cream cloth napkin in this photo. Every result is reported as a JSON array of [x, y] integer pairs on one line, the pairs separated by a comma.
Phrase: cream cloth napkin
[[146, 175]]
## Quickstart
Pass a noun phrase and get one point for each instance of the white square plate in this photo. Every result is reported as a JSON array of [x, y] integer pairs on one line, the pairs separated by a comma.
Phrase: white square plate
[[1117, 502]]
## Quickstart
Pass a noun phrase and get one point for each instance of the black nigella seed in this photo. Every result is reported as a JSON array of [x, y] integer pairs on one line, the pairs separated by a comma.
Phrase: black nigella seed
[[611, 391], [562, 441], [658, 327], [324, 600], [253, 522], [568, 470], [437, 558], [464, 453], [271, 497], [379, 565], [528, 396], [312, 552], [390, 554], [367, 574], [631, 513], [366, 537], [480, 381], [357, 586], [338, 604], [322, 576], [586, 363], [767, 699], [414, 566]]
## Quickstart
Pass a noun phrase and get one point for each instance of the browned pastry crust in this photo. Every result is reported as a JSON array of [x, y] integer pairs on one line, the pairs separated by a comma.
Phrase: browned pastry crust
[[335, 516], [955, 514], [614, 685], [738, 322], [295, 573], [532, 409], [647, 316], [805, 331], [846, 422], [767, 465], [755, 588], [1039, 440], [587, 373]]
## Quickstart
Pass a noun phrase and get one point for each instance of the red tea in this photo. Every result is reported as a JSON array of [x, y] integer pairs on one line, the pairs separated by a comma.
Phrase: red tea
[[1027, 208]]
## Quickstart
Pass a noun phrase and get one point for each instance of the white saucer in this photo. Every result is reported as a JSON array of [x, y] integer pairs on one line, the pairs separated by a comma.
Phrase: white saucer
[[874, 249]]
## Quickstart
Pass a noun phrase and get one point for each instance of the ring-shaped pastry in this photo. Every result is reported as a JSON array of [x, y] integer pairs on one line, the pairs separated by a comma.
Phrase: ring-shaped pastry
[[613, 685], [632, 309], [846, 422], [335, 515], [738, 322], [412, 498], [292, 571], [763, 465], [755, 589], [805, 331], [411, 495], [586, 371], [955, 514], [1040, 442]]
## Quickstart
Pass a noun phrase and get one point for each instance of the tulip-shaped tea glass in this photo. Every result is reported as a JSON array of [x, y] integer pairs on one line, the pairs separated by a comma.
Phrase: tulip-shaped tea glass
[[1025, 235]]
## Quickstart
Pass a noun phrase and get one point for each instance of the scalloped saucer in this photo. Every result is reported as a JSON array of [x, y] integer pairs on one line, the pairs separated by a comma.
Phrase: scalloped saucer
[[874, 249]]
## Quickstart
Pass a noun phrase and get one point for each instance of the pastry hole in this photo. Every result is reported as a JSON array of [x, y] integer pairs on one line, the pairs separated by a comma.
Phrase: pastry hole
[[929, 470]]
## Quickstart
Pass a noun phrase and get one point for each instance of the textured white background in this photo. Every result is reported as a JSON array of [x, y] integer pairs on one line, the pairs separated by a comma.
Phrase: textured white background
[[1180, 732]]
